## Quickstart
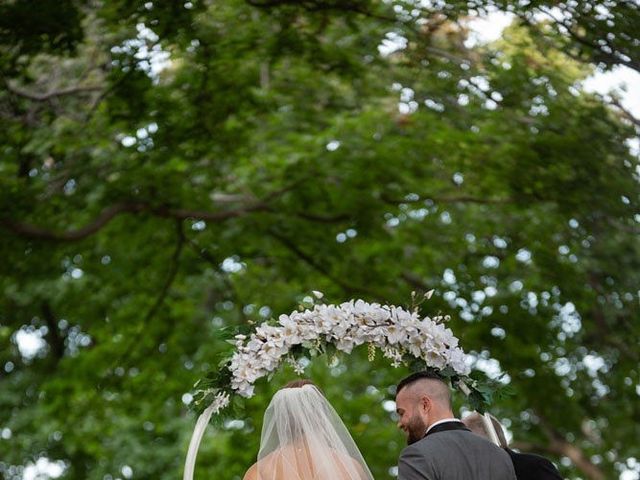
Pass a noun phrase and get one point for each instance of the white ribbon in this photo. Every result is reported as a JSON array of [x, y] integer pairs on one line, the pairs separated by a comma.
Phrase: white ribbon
[[488, 426], [196, 438]]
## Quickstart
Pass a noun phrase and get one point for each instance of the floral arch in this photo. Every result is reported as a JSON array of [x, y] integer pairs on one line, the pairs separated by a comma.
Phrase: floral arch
[[403, 337]]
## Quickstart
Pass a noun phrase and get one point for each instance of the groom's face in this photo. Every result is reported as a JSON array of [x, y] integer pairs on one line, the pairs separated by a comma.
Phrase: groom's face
[[411, 421]]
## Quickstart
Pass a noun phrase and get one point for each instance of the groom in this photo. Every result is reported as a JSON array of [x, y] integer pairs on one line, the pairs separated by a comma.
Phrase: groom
[[440, 446]]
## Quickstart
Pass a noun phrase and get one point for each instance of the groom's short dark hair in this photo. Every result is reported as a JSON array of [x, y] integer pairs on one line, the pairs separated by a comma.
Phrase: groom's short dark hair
[[414, 377]]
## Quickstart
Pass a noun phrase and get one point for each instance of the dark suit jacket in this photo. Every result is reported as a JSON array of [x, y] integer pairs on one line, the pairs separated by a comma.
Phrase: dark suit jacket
[[451, 452], [533, 467]]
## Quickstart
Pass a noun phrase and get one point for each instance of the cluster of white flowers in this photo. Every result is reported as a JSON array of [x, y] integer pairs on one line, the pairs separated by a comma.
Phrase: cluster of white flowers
[[220, 401], [397, 332]]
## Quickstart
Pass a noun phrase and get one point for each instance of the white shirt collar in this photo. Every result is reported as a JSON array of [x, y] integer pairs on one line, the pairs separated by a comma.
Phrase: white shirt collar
[[441, 421]]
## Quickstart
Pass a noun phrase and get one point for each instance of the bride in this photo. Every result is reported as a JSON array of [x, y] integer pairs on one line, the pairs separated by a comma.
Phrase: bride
[[303, 438]]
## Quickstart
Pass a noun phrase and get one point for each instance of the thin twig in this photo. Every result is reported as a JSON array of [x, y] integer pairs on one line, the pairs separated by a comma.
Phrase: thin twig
[[627, 114], [309, 260]]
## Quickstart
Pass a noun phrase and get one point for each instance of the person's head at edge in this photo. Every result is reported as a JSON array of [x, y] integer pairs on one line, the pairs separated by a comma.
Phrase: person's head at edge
[[477, 425]]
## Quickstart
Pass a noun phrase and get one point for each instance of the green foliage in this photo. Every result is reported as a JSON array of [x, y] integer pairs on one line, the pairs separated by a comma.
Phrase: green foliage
[[142, 212]]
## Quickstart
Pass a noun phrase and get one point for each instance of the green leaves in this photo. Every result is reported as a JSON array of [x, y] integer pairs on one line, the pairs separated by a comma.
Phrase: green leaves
[[41, 27], [209, 169]]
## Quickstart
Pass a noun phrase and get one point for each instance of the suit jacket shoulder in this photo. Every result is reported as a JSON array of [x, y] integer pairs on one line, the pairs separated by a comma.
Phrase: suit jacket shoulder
[[454, 455], [414, 465]]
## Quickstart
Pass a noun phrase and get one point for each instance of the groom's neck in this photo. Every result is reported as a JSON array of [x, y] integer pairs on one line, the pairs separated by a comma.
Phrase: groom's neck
[[439, 416]]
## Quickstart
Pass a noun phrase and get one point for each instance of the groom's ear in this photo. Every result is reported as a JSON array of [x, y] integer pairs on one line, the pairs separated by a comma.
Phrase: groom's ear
[[425, 404]]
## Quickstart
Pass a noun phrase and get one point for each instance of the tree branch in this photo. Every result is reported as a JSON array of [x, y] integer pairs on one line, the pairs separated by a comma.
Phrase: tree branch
[[38, 233], [323, 218], [43, 97], [614, 57], [56, 341], [171, 275], [444, 54], [470, 199], [449, 199], [109, 213], [319, 5], [627, 114]]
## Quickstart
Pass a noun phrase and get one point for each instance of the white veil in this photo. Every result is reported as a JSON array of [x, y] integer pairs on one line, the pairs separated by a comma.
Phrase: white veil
[[303, 438]]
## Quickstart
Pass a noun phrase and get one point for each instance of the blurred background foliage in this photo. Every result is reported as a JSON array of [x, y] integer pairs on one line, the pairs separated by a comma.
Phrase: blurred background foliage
[[170, 168]]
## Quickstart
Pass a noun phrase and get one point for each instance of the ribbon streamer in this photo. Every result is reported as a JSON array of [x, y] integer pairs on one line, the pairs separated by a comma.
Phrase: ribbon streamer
[[488, 426], [194, 445]]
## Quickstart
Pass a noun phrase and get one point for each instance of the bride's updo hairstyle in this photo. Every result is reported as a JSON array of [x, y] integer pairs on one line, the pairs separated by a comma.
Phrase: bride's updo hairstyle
[[300, 383]]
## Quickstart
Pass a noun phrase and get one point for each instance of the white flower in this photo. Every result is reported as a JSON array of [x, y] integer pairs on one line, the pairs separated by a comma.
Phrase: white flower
[[246, 390], [254, 344], [379, 315], [220, 401], [395, 334], [243, 366], [444, 335], [394, 355], [311, 333], [411, 329], [360, 337], [324, 324], [345, 344], [360, 307], [339, 330], [363, 321], [238, 359], [375, 335], [298, 367], [273, 348], [239, 341], [290, 330], [269, 332], [458, 363], [434, 359], [415, 345], [402, 317], [317, 294], [270, 359]]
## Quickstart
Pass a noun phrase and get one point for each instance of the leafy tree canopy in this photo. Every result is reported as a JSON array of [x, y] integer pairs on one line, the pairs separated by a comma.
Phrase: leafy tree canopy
[[168, 169]]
